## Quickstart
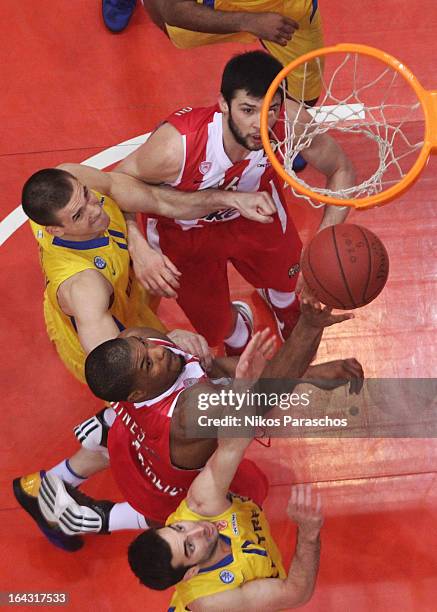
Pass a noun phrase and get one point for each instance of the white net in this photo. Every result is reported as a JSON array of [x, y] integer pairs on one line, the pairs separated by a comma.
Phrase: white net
[[371, 111]]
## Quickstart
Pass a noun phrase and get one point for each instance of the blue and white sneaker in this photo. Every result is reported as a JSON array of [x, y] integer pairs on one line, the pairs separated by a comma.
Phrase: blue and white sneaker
[[117, 13]]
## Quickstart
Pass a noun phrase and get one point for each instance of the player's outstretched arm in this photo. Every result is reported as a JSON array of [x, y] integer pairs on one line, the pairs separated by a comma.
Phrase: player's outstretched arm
[[133, 195], [207, 495], [273, 594], [190, 15], [327, 156], [295, 355], [91, 177]]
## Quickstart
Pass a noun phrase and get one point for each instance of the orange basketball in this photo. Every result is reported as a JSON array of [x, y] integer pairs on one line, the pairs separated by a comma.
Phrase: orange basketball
[[345, 266]]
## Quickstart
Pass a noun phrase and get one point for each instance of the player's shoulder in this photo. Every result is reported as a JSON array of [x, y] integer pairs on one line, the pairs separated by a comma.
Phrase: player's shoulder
[[80, 284], [188, 119]]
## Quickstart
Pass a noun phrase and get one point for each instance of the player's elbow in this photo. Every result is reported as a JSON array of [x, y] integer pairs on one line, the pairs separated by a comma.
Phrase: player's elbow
[[66, 167], [297, 593], [173, 15]]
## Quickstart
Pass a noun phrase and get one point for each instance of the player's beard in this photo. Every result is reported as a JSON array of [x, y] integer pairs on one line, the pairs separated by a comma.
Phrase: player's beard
[[238, 136]]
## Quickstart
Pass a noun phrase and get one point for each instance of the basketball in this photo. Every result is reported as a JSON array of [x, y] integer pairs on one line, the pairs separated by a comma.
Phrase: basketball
[[345, 266]]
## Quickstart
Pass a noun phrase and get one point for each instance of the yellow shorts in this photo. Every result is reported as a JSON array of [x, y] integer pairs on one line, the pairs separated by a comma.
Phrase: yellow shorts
[[61, 331], [308, 37]]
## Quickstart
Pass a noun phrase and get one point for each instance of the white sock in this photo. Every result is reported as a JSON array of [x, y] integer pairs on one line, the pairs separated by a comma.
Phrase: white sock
[[123, 516], [64, 472], [281, 299], [240, 335]]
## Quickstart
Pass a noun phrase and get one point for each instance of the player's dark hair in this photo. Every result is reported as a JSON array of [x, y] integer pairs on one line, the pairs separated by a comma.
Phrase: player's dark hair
[[108, 371], [150, 557], [253, 72], [45, 193]]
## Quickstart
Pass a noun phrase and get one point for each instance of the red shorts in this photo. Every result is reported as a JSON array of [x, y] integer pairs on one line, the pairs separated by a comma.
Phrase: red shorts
[[264, 255], [143, 492]]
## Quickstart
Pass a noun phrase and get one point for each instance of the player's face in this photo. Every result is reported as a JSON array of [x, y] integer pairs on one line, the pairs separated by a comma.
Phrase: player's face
[[157, 367], [83, 216], [191, 542], [244, 119]]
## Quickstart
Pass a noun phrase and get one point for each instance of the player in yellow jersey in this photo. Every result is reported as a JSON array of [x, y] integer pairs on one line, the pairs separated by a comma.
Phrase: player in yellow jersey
[[91, 292], [286, 28], [217, 547]]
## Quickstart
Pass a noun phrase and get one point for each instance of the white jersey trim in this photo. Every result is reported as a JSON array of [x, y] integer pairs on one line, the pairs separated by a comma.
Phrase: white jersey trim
[[181, 172]]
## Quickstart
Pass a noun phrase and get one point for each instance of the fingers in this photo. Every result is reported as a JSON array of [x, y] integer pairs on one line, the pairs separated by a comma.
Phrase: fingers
[[263, 342], [256, 206], [159, 286], [286, 31], [170, 265], [267, 343], [356, 373], [304, 500], [158, 275], [193, 343], [203, 352], [266, 204], [251, 349], [259, 217], [289, 24], [339, 318]]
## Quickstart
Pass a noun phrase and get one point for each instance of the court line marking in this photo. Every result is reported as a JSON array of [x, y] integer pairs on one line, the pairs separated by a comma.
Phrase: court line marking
[[14, 220]]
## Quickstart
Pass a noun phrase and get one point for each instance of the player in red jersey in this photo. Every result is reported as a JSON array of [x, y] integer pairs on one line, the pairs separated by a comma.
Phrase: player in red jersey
[[221, 146], [156, 387]]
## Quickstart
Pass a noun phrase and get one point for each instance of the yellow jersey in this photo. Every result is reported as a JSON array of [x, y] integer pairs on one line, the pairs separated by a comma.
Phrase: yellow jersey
[[308, 37], [108, 254], [253, 554]]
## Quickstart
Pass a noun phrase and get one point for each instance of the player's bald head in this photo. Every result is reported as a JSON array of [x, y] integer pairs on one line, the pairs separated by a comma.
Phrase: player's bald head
[[109, 371]]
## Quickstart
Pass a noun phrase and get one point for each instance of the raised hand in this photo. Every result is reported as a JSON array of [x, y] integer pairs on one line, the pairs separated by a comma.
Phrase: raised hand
[[304, 508], [336, 373], [305, 293], [320, 316], [155, 271], [254, 357]]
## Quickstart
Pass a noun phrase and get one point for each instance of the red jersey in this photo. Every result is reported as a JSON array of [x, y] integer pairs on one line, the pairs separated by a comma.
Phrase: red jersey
[[139, 450], [206, 165]]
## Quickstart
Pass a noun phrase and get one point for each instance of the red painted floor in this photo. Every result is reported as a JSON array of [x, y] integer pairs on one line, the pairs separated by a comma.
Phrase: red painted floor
[[71, 89]]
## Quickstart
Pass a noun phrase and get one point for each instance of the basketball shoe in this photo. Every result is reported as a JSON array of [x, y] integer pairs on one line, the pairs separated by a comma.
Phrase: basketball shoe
[[286, 318], [117, 13], [299, 163], [245, 311], [72, 510], [26, 491]]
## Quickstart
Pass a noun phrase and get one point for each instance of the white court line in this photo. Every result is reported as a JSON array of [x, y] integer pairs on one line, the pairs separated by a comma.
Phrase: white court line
[[101, 160], [16, 218], [336, 112]]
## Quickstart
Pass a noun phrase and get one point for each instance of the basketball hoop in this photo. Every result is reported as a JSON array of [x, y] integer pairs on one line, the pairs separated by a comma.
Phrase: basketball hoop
[[374, 107]]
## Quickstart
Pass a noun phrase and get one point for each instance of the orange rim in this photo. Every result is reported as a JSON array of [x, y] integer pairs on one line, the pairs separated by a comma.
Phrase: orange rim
[[427, 99]]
